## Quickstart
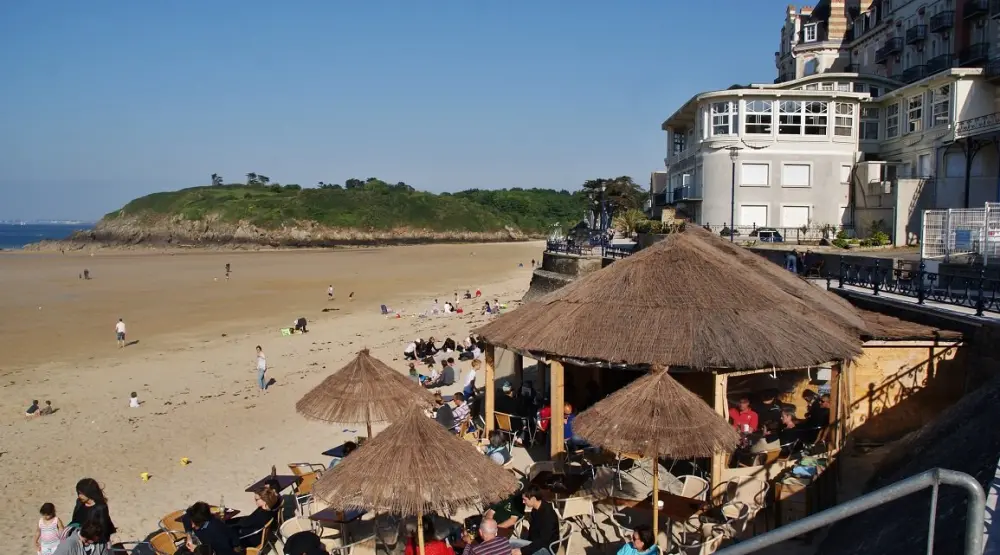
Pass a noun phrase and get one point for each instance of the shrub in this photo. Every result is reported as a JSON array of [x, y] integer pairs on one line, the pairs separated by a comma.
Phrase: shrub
[[841, 242]]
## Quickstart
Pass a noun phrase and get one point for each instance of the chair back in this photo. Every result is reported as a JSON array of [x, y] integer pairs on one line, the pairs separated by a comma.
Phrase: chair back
[[696, 544], [306, 483], [736, 515], [748, 490], [265, 537], [694, 487], [172, 522], [163, 544], [772, 456], [294, 526], [574, 507], [561, 546], [534, 469], [302, 469], [348, 549], [504, 423]]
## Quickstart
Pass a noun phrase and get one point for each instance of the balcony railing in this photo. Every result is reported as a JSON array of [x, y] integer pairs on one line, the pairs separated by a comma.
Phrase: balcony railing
[[916, 34], [974, 54], [689, 192], [853, 68], [940, 63], [660, 199], [990, 123], [994, 8], [892, 46], [914, 73], [975, 8], [942, 22]]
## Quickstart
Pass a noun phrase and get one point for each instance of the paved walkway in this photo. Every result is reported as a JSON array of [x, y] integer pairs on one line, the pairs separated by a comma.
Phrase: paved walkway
[[904, 300]]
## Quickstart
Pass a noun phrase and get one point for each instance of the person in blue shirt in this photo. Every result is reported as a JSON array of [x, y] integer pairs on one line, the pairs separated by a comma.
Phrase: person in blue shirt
[[641, 543], [573, 441]]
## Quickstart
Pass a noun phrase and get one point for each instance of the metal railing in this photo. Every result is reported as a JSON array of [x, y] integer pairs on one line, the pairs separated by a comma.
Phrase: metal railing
[[979, 293], [934, 479], [616, 253], [942, 21], [978, 125], [969, 232], [974, 54], [567, 247]]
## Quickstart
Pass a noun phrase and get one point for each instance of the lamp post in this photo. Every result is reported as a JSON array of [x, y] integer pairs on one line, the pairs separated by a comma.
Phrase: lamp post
[[734, 154], [604, 217]]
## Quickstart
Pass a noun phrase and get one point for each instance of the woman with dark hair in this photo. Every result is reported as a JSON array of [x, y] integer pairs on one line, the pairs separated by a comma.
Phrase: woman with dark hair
[[432, 545], [641, 542], [248, 527], [92, 506]]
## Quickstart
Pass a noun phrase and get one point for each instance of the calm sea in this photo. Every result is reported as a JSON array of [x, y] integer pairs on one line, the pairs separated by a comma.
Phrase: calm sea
[[17, 236]]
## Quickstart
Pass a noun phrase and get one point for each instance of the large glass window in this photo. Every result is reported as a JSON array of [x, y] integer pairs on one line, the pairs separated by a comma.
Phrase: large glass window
[[941, 106], [723, 118], [789, 117], [810, 32], [815, 118], [914, 113], [679, 142], [843, 121], [869, 123], [892, 121], [758, 117]]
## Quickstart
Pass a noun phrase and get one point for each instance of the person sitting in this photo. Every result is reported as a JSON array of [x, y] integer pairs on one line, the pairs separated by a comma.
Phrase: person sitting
[[742, 417], [497, 449], [507, 512], [32, 409], [410, 351], [491, 544], [790, 434], [460, 411], [209, 529], [468, 295], [250, 527], [487, 309], [543, 525], [432, 378], [768, 409], [304, 543], [573, 441], [642, 542], [80, 540], [349, 447], [443, 414], [448, 372], [432, 545], [819, 416]]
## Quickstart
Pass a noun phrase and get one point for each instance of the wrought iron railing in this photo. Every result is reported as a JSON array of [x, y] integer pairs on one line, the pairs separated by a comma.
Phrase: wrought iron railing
[[979, 293], [974, 54], [617, 253], [978, 125], [942, 21], [567, 247]]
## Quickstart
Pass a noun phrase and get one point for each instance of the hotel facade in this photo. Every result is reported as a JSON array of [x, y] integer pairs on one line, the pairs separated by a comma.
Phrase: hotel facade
[[879, 110]]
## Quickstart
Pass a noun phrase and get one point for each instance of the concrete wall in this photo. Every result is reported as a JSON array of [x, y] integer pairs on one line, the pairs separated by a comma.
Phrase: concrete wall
[[569, 264]]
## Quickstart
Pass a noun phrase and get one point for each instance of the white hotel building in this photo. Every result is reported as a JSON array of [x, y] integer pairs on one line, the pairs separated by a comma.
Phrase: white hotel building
[[880, 110]]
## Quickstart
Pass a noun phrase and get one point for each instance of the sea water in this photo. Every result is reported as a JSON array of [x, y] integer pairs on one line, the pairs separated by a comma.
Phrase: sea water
[[16, 236]]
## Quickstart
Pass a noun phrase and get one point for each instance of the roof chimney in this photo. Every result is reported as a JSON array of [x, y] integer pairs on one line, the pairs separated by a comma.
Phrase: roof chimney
[[837, 23]]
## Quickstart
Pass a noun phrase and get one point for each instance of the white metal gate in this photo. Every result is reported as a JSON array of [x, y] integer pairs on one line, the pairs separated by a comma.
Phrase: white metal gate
[[961, 231]]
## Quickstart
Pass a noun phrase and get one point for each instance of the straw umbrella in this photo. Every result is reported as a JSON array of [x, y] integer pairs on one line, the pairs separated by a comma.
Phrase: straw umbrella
[[656, 416], [415, 467], [367, 391]]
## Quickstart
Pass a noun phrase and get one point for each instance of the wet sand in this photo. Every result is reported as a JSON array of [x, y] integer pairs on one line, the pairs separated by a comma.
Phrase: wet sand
[[196, 385]]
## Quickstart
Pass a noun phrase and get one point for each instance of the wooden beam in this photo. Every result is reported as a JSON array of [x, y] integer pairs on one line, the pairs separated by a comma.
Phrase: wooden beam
[[491, 389], [557, 396], [519, 369], [836, 412], [720, 459]]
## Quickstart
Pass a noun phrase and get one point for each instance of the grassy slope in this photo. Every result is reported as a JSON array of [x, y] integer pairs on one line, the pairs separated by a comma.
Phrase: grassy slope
[[376, 206]]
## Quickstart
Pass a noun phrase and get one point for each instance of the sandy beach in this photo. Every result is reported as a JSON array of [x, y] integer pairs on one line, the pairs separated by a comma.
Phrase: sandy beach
[[192, 365]]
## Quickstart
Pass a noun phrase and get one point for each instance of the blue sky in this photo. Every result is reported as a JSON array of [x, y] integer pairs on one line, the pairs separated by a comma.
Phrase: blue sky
[[104, 101]]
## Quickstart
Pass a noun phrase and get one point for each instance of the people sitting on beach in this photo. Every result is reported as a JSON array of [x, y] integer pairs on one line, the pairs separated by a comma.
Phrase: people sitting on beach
[[468, 295], [487, 309], [478, 293], [448, 372], [433, 377], [250, 527], [435, 308], [133, 400], [469, 384], [742, 417], [32, 409], [410, 351], [300, 325], [497, 449], [543, 526], [199, 521], [449, 308], [442, 412]]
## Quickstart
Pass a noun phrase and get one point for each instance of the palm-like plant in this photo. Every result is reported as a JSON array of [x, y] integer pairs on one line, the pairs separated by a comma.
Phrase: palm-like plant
[[263, 179], [627, 221], [252, 178], [216, 180]]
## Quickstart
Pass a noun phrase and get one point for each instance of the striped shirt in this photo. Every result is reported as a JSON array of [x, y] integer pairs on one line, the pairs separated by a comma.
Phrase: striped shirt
[[497, 546]]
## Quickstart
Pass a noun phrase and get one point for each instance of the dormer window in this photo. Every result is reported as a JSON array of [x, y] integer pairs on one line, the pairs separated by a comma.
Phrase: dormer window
[[809, 33]]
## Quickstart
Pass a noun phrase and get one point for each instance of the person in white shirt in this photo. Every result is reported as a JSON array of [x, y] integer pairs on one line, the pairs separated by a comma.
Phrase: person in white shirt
[[410, 352], [120, 333], [469, 385], [329, 293], [261, 370], [133, 400]]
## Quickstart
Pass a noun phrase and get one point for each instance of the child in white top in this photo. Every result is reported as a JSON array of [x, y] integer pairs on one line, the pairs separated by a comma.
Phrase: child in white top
[[133, 400], [48, 533]]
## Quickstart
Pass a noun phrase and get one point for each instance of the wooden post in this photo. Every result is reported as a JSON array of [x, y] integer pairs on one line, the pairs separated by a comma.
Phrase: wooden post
[[719, 459], [556, 397], [835, 408], [420, 531], [491, 390], [519, 369], [656, 499], [368, 421]]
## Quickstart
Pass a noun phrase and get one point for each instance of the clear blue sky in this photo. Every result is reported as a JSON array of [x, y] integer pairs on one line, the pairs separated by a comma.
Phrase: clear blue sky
[[103, 101]]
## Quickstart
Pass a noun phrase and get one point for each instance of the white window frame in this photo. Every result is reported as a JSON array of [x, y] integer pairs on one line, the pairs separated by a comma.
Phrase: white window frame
[[941, 106], [798, 164], [843, 119], [767, 214], [781, 214], [915, 113], [758, 114], [892, 120], [767, 180], [789, 120], [843, 87], [814, 28], [869, 121], [724, 122], [816, 116]]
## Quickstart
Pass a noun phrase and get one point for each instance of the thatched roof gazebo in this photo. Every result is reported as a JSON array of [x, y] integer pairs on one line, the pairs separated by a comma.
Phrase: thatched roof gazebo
[[365, 391], [694, 303], [415, 467], [655, 416]]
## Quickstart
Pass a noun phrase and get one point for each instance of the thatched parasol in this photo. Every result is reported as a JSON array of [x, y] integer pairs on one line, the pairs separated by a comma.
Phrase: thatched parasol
[[692, 300], [656, 416], [415, 467], [367, 391]]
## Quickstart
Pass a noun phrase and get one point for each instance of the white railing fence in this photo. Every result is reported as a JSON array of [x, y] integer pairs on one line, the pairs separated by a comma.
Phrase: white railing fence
[[973, 232]]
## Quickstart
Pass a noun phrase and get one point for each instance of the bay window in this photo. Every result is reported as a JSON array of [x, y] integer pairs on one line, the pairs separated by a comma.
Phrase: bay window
[[914, 113], [789, 117], [724, 118], [941, 106], [815, 118], [843, 121], [758, 117], [869, 123]]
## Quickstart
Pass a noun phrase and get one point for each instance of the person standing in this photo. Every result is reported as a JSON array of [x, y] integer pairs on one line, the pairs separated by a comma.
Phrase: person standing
[[329, 293], [92, 509], [120, 333], [261, 370]]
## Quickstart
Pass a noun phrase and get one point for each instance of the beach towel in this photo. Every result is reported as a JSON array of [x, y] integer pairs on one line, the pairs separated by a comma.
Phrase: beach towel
[[286, 331]]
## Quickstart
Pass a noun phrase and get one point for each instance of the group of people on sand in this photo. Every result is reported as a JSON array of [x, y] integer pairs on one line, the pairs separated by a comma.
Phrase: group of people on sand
[[89, 530]]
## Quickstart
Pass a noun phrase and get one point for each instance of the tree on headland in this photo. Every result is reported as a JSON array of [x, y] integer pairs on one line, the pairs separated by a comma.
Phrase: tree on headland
[[263, 179], [619, 194], [353, 183], [252, 179], [216, 180]]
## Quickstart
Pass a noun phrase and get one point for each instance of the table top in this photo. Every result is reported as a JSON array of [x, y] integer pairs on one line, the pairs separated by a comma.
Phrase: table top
[[675, 507], [559, 484], [172, 521], [336, 517], [285, 481]]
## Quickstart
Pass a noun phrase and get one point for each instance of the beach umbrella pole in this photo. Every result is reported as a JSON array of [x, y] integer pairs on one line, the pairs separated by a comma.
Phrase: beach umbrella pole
[[656, 500], [368, 421], [420, 531]]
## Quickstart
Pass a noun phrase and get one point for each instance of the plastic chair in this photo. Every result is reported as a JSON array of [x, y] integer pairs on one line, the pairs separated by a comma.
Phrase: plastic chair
[[172, 522], [696, 544], [505, 425], [293, 526], [347, 549], [303, 489], [163, 543], [693, 487], [750, 491], [574, 509], [561, 546], [736, 514], [266, 539]]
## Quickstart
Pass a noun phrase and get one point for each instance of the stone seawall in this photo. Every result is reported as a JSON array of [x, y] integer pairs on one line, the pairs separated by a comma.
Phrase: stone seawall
[[558, 270]]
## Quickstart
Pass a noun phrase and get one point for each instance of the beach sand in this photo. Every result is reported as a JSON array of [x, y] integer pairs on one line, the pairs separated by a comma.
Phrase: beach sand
[[193, 364]]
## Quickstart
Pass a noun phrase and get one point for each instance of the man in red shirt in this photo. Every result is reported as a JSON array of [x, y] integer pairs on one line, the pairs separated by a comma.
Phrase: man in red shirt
[[744, 419]]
